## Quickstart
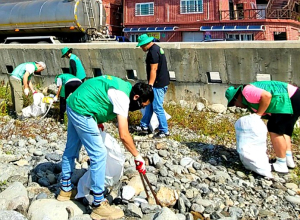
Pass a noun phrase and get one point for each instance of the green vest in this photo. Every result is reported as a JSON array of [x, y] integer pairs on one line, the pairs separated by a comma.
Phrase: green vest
[[91, 98], [280, 102], [20, 70], [64, 78], [80, 70]]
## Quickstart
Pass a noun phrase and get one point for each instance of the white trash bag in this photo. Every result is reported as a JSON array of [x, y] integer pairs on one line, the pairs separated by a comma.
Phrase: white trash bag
[[37, 108], [154, 123], [251, 142], [114, 166]]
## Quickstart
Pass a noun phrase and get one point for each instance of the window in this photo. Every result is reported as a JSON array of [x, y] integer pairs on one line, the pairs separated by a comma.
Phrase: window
[[134, 37], [131, 74], [144, 9], [240, 37], [9, 68], [191, 6]]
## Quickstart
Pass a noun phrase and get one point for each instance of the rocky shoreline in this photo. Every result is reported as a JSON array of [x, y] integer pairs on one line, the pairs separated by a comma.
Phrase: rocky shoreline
[[193, 180]]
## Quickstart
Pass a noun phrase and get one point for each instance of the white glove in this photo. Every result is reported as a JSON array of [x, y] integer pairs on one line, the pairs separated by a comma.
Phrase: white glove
[[140, 164], [55, 99], [26, 91]]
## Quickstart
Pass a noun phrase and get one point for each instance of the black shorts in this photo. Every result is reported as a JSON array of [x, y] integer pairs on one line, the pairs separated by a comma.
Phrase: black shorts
[[284, 123]]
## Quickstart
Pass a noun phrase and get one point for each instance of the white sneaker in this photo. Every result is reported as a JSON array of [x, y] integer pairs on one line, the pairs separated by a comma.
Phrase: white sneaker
[[290, 162], [280, 168]]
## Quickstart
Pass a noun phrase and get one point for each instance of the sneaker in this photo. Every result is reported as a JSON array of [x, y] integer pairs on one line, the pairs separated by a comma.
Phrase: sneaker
[[105, 211], [161, 134], [142, 130], [65, 196], [290, 163], [279, 168]]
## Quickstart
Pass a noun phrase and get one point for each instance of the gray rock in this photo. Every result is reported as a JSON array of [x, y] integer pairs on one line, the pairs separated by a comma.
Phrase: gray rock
[[53, 209], [31, 141], [22, 143], [11, 215], [156, 159], [42, 196], [291, 186], [240, 174], [189, 216], [163, 171], [13, 191], [197, 208], [41, 143], [128, 192], [181, 205], [236, 212], [81, 217], [53, 136], [38, 153], [147, 208], [200, 106], [133, 211], [293, 199], [152, 178], [163, 153], [53, 157], [165, 214], [197, 165], [181, 216]]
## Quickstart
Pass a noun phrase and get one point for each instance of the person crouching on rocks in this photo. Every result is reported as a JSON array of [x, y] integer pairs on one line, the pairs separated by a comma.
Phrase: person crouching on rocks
[[21, 77], [98, 100], [280, 102]]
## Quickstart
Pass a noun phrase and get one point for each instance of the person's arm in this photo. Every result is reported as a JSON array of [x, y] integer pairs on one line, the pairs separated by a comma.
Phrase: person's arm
[[58, 92], [25, 80], [264, 102], [153, 71], [31, 86], [73, 67], [125, 135]]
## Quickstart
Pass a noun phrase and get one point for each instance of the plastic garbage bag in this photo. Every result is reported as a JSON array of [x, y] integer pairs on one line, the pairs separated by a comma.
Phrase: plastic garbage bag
[[154, 123], [37, 108], [114, 166], [251, 138]]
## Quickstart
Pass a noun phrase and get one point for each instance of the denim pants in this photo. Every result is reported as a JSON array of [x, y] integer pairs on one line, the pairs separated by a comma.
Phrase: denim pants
[[157, 107], [84, 130]]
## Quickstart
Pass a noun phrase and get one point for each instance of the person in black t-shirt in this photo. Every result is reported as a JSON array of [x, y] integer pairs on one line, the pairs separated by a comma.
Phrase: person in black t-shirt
[[158, 77]]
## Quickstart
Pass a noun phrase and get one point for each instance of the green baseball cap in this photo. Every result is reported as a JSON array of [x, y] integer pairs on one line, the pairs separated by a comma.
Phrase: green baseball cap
[[64, 51], [144, 39], [230, 93]]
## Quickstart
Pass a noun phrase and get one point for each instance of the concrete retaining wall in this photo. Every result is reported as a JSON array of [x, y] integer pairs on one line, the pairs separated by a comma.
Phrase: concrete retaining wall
[[236, 62]]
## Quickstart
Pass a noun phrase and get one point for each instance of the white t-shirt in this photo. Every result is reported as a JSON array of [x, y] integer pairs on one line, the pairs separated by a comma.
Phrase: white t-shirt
[[120, 101], [58, 82], [30, 68]]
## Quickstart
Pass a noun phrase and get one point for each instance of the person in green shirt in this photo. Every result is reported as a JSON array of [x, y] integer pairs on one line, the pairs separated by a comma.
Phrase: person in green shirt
[[76, 68], [96, 101], [20, 79], [67, 84], [279, 102]]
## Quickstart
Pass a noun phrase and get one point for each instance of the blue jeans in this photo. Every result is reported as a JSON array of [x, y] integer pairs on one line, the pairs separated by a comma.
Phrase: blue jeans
[[157, 107], [84, 130]]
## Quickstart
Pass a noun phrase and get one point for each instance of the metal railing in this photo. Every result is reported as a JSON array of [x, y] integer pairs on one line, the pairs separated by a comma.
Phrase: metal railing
[[191, 9], [146, 11], [250, 14]]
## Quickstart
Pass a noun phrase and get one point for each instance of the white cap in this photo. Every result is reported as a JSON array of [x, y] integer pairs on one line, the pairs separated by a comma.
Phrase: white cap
[[41, 63]]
